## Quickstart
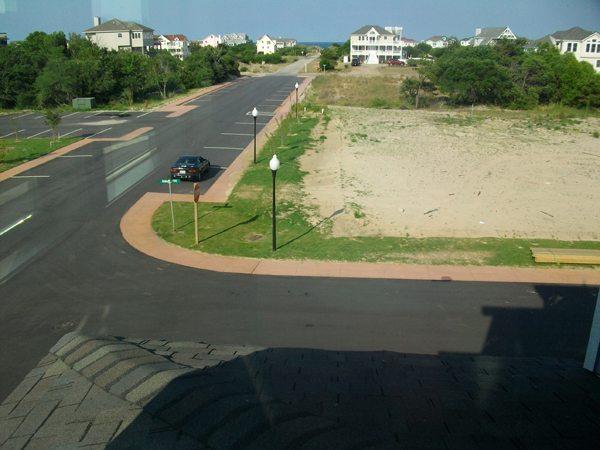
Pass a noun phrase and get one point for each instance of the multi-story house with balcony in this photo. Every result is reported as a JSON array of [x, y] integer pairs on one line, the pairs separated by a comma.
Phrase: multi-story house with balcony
[[235, 39], [175, 44], [267, 44], [119, 35], [372, 44]]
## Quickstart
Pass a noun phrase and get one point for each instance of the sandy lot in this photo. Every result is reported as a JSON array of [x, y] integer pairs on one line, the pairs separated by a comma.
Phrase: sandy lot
[[421, 174]]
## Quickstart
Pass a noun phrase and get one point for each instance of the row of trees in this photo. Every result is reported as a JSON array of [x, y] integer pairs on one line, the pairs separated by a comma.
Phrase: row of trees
[[42, 71], [507, 75]]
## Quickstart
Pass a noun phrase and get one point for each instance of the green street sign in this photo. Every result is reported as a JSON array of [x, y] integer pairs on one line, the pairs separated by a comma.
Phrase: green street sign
[[174, 180]]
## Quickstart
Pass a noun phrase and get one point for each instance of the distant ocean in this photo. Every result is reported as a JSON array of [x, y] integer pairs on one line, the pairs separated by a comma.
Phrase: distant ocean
[[320, 44]]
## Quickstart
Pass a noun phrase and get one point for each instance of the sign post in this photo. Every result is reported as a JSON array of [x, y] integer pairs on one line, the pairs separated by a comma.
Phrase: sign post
[[196, 198], [169, 181]]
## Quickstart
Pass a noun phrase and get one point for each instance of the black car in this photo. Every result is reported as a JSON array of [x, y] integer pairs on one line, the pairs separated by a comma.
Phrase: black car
[[356, 62], [190, 167]]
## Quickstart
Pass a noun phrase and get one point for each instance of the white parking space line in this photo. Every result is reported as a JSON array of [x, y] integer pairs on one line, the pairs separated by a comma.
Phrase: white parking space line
[[2, 137], [69, 115], [142, 115], [76, 156], [31, 176], [224, 148], [93, 115], [38, 134], [96, 134], [16, 224], [38, 117], [250, 123], [236, 134], [28, 114], [71, 132]]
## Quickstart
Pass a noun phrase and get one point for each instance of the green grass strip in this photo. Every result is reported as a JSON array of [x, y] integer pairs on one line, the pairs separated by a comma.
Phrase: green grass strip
[[14, 153]]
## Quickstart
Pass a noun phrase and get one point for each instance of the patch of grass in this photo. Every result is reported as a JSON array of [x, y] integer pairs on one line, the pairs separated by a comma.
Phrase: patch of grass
[[596, 134], [243, 226], [14, 153]]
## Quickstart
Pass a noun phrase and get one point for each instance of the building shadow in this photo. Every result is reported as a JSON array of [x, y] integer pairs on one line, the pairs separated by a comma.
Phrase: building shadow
[[527, 389]]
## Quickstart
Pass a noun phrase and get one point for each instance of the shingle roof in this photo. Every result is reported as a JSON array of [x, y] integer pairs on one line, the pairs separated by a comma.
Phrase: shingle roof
[[487, 34], [573, 34], [173, 37], [435, 39], [367, 28], [117, 25]]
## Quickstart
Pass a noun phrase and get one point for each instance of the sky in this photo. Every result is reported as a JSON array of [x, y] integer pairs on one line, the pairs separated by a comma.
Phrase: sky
[[303, 20]]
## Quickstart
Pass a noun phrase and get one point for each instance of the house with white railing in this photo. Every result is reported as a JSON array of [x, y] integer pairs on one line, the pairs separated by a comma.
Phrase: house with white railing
[[175, 44], [372, 44]]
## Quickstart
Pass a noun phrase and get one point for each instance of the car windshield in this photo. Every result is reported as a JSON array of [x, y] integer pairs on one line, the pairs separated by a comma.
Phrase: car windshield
[[187, 160]]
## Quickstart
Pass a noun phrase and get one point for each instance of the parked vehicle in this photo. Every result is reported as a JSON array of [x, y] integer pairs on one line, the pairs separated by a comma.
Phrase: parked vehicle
[[190, 167], [395, 62], [356, 62]]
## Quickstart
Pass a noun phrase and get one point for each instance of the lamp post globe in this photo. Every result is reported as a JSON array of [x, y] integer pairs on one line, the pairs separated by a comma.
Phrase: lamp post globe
[[296, 100], [255, 115], [274, 164]]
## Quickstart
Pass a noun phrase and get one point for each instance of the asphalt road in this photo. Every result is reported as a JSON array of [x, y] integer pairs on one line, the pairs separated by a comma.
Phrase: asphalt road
[[66, 266]]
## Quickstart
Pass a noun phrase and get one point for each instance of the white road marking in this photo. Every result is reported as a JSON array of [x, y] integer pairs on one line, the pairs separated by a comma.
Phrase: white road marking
[[98, 133], [1, 137], [69, 115], [236, 134], [28, 114], [224, 148], [38, 117], [76, 156], [7, 229], [71, 132], [38, 134], [142, 115], [93, 115], [249, 113]]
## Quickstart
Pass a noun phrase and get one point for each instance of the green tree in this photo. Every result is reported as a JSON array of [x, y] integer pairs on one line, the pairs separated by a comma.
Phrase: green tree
[[53, 119], [471, 76], [133, 74], [18, 76], [165, 72]]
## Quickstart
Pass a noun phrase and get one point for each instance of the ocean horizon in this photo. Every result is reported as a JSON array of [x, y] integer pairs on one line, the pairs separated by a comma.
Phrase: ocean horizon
[[323, 44]]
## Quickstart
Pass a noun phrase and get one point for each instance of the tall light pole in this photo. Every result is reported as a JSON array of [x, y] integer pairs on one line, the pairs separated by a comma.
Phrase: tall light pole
[[255, 115], [296, 100], [274, 164]]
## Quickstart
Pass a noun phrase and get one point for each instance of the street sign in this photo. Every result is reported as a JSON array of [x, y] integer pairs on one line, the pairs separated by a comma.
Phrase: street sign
[[169, 181], [196, 192]]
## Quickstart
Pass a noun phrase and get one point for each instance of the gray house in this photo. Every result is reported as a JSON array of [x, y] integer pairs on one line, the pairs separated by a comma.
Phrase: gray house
[[118, 35], [490, 36], [235, 39]]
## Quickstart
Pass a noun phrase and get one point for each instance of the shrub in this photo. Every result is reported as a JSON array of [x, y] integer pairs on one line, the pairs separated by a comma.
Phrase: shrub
[[378, 102]]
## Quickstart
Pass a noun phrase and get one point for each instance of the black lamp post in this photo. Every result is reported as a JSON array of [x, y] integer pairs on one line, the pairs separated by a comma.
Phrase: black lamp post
[[254, 114], [274, 164], [296, 101]]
